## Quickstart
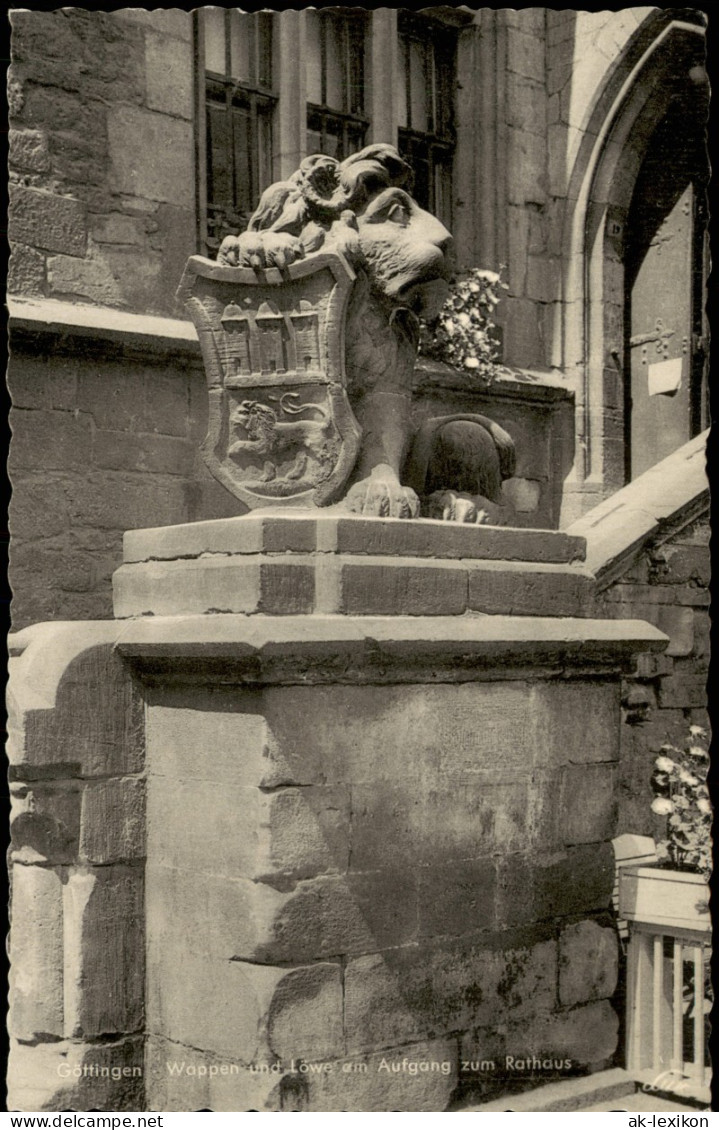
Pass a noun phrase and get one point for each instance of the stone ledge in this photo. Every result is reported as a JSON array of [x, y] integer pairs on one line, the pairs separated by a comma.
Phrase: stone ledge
[[334, 531], [510, 383], [391, 649], [149, 332]]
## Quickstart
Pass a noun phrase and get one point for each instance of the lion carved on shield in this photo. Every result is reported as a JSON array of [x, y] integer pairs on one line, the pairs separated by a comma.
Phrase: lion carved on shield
[[402, 256], [271, 439]]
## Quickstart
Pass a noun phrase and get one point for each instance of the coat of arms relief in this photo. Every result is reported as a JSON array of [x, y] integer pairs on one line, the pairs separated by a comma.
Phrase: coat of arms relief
[[308, 324]]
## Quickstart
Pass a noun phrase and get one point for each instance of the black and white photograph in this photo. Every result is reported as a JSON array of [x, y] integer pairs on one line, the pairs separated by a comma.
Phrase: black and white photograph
[[359, 556]]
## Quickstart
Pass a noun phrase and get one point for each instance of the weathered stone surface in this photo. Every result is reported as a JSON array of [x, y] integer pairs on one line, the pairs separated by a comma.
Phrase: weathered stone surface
[[585, 1035], [132, 134], [589, 803], [88, 278], [26, 270], [578, 882], [425, 824], [168, 74], [454, 899], [683, 691], [394, 588], [526, 590], [555, 709], [45, 821], [104, 948], [253, 922], [118, 451], [325, 532], [415, 1077], [113, 500], [36, 954], [169, 1085], [185, 725], [682, 564], [57, 390], [678, 624], [28, 150], [306, 1013], [72, 705], [116, 227], [588, 963], [77, 1076], [168, 21], [113, 821], [44, 220], [445, 985], [246, 832], [49, 440], [209, 585]]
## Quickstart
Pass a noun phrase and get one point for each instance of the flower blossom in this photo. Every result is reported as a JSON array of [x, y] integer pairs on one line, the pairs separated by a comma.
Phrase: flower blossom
[[664, 764], [661, 806]]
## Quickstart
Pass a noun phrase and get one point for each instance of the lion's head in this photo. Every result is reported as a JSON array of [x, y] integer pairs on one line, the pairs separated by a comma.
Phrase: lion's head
[[362, 208], [257, 419]]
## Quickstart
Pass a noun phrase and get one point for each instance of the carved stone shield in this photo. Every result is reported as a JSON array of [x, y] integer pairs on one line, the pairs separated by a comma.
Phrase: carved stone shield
[[280, 428]]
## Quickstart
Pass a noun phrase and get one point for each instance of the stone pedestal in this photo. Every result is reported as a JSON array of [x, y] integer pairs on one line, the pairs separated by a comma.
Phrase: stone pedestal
[[380, 796]]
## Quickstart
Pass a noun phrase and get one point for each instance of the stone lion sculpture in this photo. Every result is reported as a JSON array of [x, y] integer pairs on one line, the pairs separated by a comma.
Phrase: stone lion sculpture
[[402, 255]]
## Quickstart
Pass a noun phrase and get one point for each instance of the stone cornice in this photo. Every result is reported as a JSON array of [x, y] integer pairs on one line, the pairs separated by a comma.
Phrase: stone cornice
[[68, 319]]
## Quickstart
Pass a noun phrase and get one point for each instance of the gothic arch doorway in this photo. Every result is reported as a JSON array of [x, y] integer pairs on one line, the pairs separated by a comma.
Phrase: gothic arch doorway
[[665, 269], [647, 125]]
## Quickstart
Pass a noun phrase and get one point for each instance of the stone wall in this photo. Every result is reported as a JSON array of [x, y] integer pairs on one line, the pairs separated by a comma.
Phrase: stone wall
[[648, 547], [105, 438], [669, 587], [102, 183]]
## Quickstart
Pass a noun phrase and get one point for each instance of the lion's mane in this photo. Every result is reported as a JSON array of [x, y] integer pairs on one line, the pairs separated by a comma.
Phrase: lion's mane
[[325, 194]]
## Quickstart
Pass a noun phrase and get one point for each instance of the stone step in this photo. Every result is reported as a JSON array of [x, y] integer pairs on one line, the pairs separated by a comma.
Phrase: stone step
[[612, 1090], [570, 1094]]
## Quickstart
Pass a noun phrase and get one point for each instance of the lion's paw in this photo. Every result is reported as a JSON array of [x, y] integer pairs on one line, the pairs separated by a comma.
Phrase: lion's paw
[[451, 507], [379, 497], [259, 250]]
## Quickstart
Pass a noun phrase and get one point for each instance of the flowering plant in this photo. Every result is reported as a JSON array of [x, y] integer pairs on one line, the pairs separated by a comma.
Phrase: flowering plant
[[464, 334], [681, 794]]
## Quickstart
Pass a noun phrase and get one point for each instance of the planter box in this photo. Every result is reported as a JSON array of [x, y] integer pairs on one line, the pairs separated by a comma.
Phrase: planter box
[[659, 897]]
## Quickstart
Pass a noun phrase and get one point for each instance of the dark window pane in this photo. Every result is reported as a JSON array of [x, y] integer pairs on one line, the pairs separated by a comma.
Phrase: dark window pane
[[219, 164], [356, 84], [238, 49], [244, 195], [314, 142], [418, 84], [355, 139], [334, 139]]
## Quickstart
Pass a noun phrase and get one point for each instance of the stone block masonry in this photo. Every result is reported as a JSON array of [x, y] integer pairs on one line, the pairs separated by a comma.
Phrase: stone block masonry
[[649, 547], [105, 438], [101, 157], [369, 879]]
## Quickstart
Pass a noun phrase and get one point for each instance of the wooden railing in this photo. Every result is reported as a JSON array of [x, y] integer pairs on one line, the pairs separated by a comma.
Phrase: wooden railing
[[668, 950], [667, 1009]]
